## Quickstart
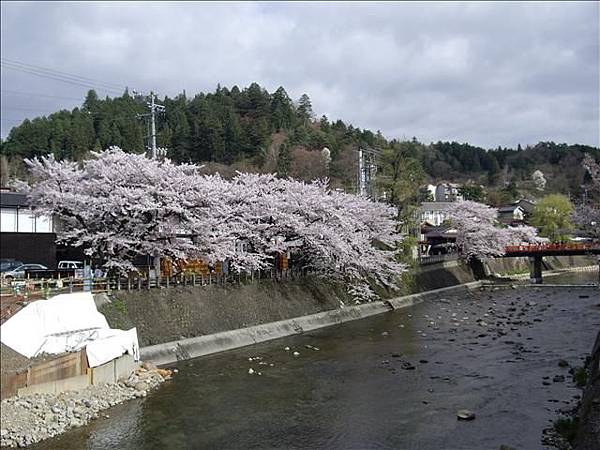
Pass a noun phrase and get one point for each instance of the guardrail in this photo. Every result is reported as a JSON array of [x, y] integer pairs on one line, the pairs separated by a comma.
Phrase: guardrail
[[424, 260]]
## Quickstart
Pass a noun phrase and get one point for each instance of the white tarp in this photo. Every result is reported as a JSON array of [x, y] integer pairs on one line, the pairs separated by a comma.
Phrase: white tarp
[[111, 345], [65, 323]]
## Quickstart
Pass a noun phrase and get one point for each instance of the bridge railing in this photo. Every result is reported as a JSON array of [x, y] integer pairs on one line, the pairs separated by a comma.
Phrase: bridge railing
[[529, 248]]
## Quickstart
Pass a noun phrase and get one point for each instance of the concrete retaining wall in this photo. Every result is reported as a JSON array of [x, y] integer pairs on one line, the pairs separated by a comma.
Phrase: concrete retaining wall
[[445, 274], [56, 386], [513, 265], [112, 371], [66, 373], [170, 352], [164, 315]]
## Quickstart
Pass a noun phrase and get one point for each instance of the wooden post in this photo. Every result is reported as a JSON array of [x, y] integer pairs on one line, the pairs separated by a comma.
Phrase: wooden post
[[157, 271]]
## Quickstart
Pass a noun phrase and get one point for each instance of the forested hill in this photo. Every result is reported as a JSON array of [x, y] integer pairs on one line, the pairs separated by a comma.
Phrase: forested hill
[[252, 129]]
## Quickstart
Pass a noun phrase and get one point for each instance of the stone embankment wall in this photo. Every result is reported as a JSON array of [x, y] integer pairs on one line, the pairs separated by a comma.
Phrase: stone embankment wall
[[173, 314], [445, 274], [588, 435], [515, 265]]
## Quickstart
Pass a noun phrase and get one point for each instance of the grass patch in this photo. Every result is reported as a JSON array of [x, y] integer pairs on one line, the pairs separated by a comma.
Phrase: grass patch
[[119, 305], [567, 428], [580, 376]]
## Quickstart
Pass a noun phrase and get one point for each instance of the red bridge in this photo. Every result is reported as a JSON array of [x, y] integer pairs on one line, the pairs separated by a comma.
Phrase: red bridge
[[553, 249], [536, 252]]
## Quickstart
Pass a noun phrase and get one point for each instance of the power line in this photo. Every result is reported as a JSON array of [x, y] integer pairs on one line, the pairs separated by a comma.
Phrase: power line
[[33, 94], [68, 74], [89, 86], [59, 73], [20, 108], [57, 78]]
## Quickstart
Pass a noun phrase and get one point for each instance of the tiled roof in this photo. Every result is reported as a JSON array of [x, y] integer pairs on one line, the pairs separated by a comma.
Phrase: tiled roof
[[435, 206]]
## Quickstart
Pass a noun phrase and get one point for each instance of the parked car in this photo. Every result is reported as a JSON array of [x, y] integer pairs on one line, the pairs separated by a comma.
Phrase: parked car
[[70, 265], [19, 272], [9, 264]]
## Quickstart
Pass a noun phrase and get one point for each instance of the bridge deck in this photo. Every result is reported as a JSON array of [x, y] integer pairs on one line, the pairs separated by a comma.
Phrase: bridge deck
[[552, 250]]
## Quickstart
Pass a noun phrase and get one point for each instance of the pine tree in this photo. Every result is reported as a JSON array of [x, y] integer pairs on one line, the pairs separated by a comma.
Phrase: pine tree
[[284, 160], [305, 112]]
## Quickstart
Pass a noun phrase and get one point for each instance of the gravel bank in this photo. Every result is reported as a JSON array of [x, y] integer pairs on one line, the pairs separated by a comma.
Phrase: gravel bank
[[33, 418]]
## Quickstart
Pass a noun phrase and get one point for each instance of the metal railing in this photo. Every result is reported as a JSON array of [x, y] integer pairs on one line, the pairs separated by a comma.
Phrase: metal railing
[[42, 288], [432, 259], [528, 248], [19, 292]]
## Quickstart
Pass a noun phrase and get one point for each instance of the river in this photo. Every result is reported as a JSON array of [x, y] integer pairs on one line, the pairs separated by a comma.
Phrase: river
[[393, 381]]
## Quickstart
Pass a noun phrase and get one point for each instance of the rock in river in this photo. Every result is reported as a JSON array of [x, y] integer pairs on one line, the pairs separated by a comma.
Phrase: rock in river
[[465, 414], [141, 386]]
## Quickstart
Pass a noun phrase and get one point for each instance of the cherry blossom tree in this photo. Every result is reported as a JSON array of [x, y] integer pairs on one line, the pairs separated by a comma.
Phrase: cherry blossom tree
[[587, 220], [119, 205], [587, 216], [593, 169], [478, 235], [115, 205], [539, 180]]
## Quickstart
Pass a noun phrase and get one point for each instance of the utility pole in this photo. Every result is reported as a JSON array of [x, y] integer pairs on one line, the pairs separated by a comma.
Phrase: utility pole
[[361, 174], [153, 151], [367, 168]]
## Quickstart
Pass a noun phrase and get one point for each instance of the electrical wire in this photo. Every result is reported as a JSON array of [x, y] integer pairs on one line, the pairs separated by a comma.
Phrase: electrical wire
[[67, 75], [33, 94], [58, 78]]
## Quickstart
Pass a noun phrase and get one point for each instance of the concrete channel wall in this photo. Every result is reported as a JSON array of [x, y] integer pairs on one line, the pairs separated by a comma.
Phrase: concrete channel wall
[[65, 373], [170, 352]]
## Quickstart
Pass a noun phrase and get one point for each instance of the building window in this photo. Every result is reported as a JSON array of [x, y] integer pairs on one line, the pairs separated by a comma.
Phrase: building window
[[26, 221], [43, 224], [8, 220], [22, 220]]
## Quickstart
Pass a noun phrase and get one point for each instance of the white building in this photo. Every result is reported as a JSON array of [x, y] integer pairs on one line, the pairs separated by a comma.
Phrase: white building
[[434, 213], [17, 217], [447, 192]]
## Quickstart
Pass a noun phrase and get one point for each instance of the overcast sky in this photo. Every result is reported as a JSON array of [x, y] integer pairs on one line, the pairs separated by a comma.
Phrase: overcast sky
[[487, 73]]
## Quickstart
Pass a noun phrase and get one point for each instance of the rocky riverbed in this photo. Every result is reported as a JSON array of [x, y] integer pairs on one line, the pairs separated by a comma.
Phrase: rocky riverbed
[[396, 380], [29, 419]]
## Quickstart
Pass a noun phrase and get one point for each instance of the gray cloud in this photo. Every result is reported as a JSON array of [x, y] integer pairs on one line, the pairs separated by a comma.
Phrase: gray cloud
[[487, 73]]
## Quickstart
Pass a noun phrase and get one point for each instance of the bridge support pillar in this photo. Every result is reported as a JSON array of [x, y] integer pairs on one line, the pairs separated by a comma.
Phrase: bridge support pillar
[[535, 263]]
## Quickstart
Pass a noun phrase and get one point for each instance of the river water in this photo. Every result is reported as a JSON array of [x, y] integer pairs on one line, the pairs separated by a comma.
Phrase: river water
[[487, 351]]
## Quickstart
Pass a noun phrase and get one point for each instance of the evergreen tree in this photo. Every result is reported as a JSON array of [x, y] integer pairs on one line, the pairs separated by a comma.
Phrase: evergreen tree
[[284, 160], [305, 112], [282, 110]]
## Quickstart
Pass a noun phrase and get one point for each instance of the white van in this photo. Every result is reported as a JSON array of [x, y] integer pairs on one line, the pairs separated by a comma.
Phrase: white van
[[70, 265]]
